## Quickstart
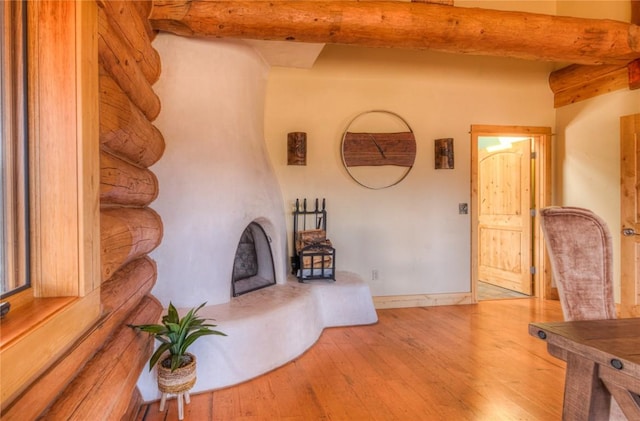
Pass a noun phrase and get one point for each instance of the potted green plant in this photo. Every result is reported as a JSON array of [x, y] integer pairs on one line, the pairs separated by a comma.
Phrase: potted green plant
[[177, 369]]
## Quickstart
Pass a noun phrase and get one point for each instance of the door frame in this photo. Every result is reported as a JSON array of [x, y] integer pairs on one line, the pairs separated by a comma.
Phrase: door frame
[[629, 279], [541, 168]]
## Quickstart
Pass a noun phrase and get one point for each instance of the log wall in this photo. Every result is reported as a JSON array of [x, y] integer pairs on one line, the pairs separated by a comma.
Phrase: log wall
[[97, 378]]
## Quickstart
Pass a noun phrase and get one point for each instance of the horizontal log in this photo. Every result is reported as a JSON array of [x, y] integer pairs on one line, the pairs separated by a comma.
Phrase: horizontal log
[[127, 234], [577, 77], [610, 82], [118, 61], [119, 296], [375, 149], [577, 74], [144, 10], [406, 25], [103, 390], [634, 74], [127, 286], [122, 183], [124, 130], [125, 19]]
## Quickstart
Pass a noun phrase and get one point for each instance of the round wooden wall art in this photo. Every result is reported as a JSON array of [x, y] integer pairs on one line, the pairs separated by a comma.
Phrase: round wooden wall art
[[378, 149]]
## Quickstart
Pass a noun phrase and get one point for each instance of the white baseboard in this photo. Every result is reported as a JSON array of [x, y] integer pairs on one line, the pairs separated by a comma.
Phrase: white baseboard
[[422, 300]]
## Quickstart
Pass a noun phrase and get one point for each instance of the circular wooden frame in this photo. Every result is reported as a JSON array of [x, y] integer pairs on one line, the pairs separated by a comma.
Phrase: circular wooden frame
[[365, 149]]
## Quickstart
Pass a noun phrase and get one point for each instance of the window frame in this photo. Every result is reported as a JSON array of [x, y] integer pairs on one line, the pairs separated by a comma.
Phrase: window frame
[[64, 299], [14, 147]]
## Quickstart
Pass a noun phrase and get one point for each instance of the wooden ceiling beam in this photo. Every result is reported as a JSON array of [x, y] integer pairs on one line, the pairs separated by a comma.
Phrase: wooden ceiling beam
[[634, 67], [576, 74], [406, 25], [588, 82], [576, 83], [634, 74]]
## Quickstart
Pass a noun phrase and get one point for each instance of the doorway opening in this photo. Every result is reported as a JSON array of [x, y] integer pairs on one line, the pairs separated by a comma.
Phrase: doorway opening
[[510, 180]]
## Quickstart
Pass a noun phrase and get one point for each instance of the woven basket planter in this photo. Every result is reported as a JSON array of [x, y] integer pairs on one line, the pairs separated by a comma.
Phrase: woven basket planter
[[180, 380]]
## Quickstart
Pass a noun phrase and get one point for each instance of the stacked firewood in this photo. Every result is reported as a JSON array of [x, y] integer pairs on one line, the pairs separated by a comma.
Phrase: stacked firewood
[[314, 248]]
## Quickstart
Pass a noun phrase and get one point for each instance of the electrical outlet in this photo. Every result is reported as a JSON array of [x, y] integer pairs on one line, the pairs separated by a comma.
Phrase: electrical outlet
[[463, 208], [374, 274]]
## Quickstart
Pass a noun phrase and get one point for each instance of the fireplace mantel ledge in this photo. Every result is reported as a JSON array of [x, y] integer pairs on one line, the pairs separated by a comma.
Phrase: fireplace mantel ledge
[[269, 327]]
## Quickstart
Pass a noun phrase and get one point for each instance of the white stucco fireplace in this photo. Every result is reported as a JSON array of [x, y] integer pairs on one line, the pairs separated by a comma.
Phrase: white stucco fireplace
[[215, 176], [216, 181]]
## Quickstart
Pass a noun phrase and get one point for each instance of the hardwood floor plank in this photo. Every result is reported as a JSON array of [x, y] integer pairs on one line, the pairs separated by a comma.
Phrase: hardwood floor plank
[[295, 397], [367, 384], [226, 405], [470, 362], [330, 384]]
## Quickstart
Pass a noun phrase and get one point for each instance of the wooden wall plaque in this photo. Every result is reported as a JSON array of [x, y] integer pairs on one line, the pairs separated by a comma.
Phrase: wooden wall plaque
[[378, 149]]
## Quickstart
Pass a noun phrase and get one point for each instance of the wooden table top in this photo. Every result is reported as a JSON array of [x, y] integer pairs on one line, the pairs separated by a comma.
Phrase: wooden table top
[[615, 343]]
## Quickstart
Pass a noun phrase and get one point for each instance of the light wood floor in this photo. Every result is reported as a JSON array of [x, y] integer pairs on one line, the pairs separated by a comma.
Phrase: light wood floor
[[472, 362]]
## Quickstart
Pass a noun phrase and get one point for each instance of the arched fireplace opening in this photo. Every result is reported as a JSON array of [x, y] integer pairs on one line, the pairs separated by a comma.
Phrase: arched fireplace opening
[[253, 264]]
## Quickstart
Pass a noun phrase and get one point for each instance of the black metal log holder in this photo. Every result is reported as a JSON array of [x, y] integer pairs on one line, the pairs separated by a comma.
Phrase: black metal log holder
[[315, 260]]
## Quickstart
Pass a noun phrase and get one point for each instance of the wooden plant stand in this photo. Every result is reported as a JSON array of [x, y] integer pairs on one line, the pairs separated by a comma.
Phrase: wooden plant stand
[[179, 396]]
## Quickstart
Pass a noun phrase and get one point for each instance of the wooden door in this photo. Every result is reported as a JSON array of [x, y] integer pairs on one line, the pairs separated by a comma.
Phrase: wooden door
[[630, 215], [504, 219]]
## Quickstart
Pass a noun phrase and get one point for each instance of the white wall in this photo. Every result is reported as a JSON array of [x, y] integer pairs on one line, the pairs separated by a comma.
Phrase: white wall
[[596, 9], [411, 233], [212, 94], [215, 176], [532, 6], [587, 159], [587, 149]]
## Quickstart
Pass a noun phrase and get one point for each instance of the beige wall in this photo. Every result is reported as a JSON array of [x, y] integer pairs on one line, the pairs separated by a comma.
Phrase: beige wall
[[587, 152], [587, 158], [412, 233], [533, 6], [597, 9]]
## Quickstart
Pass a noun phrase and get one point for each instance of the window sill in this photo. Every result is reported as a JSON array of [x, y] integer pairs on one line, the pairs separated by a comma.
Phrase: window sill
[[27, 316], [36, 334]]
